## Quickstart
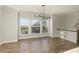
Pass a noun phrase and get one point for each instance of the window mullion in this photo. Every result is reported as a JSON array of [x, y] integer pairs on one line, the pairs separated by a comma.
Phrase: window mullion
[[30, 27], [40, 27]]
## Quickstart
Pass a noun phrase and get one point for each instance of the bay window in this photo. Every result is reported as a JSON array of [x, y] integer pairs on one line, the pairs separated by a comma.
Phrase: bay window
[[33, 26]]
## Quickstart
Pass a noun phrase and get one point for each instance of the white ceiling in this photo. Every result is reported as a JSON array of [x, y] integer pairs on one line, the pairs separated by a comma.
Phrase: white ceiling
[[49, 9]]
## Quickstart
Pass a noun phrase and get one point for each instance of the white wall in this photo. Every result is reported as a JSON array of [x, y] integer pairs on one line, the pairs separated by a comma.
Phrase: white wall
[[67, 22], [10, 25], [0, 26], [58, 22], [71, 20]]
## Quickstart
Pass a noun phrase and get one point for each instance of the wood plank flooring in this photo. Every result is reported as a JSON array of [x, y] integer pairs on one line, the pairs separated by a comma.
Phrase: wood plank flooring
[[38, 45]]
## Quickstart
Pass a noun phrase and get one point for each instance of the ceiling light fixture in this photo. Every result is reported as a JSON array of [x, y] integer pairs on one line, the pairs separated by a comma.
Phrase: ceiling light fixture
[[43, 15]]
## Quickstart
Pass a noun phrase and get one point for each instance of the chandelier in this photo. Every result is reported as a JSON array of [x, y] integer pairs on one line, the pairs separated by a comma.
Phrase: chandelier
[[43, 15]]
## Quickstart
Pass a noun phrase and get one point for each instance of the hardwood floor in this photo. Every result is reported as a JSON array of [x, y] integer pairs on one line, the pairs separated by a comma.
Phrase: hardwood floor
[[38, 45]]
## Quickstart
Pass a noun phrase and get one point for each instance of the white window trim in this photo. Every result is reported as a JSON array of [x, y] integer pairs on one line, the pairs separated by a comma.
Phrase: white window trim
[[30, 30]]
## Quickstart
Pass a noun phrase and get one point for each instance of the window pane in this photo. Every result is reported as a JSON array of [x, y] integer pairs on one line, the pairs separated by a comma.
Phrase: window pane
[[35, 22], [35, 29], [24, 28], [45, 29], [24, 32], [24, 21], [45, 22], [45, 26]]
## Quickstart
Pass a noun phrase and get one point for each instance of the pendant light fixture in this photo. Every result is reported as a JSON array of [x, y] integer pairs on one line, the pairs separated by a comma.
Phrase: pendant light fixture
[[43, 11], [42, 15]]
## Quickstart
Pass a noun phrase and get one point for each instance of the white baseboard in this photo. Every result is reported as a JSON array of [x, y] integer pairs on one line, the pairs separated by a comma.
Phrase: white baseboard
[[34, 36], [7, 41], [38, 36]]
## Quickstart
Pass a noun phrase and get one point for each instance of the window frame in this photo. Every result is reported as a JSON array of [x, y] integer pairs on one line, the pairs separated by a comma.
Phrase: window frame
[[30, 27], [35, 26], [20, 31], [47, 26]]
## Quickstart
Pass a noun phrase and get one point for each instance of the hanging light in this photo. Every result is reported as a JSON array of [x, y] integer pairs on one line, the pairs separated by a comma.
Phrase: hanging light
[[42, 15], [43, 11]]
